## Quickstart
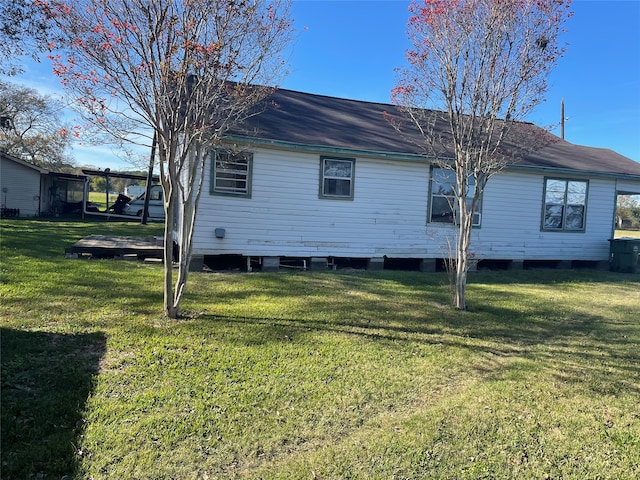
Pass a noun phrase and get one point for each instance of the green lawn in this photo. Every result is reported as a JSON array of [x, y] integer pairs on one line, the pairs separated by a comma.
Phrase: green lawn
[[298, 375]]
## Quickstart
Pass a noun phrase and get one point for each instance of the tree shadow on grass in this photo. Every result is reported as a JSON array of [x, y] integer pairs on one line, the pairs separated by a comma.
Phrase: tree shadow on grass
[[46, 381], [576, 348]]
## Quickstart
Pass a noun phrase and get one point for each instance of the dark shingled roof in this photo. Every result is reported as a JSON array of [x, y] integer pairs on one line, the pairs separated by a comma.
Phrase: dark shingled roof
[[301, 119]]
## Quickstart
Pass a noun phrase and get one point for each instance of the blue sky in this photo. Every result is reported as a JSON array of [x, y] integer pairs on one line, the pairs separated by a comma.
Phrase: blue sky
[[350, 49]]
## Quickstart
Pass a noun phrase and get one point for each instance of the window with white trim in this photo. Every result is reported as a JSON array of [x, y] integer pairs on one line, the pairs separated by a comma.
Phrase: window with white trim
[[231, 173], [565, 205], [444, 205], [336, 178]]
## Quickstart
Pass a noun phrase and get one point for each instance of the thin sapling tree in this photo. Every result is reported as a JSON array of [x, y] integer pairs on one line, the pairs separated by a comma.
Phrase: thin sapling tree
[[475, 68], [184, 71]]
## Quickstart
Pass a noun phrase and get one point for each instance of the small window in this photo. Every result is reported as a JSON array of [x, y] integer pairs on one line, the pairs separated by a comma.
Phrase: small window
[[336, 176], [156, 194], [231, 173], [444, 206], [565, 203]]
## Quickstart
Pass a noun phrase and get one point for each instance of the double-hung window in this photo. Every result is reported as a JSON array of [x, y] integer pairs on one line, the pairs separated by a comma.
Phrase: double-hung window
[[565, 204], [336, 178], [444, 205], [231, 173]]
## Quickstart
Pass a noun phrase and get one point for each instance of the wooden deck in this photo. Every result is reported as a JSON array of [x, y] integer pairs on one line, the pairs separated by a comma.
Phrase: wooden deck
[[102, 246]]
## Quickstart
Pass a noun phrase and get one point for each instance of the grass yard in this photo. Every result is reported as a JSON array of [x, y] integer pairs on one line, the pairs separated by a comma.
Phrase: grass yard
[[298, 375]]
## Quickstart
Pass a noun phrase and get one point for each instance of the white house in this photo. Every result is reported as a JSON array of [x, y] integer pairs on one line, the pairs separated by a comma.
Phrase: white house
[[322, 181], [28, 190]]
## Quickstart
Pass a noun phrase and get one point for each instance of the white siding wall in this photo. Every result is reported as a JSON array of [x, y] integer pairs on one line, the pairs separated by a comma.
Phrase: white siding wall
[[629, 187], [23, 188], [285, 217], [512, 217], [388, 215]]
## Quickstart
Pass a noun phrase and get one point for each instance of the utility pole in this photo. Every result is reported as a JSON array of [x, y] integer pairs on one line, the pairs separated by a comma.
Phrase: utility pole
[[562, 119]]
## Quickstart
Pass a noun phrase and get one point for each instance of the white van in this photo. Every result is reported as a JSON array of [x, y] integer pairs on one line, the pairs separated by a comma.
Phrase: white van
[[156, 205], [133, 191]]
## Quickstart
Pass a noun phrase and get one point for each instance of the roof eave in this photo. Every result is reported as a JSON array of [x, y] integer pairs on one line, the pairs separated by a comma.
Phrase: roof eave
[[265, 142], [572, 171], [68, 176], [24, 163]]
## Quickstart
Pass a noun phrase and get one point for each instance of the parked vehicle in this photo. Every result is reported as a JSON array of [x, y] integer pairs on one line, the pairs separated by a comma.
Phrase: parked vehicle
[[156, 204], [134, 190]]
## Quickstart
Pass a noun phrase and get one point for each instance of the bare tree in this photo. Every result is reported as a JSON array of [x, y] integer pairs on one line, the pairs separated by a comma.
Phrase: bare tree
[[628, 211], [484, 65], [23, 31], [182, 70], [32, 128]]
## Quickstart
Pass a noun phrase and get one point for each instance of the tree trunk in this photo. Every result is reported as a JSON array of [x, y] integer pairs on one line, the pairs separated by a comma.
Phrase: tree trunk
[[183, 224], [171, 310], [461, 271], [462, 257]]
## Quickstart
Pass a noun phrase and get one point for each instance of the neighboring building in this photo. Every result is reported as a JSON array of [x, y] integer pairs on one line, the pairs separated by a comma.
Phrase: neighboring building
[[21, 187], [28, 190], [328, 181]]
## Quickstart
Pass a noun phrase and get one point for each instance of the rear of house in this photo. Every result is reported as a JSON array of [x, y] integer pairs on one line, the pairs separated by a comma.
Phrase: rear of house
[[321, 182]]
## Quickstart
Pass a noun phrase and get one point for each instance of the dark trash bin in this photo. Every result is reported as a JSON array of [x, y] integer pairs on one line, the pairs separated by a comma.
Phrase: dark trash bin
[[623, 255]]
